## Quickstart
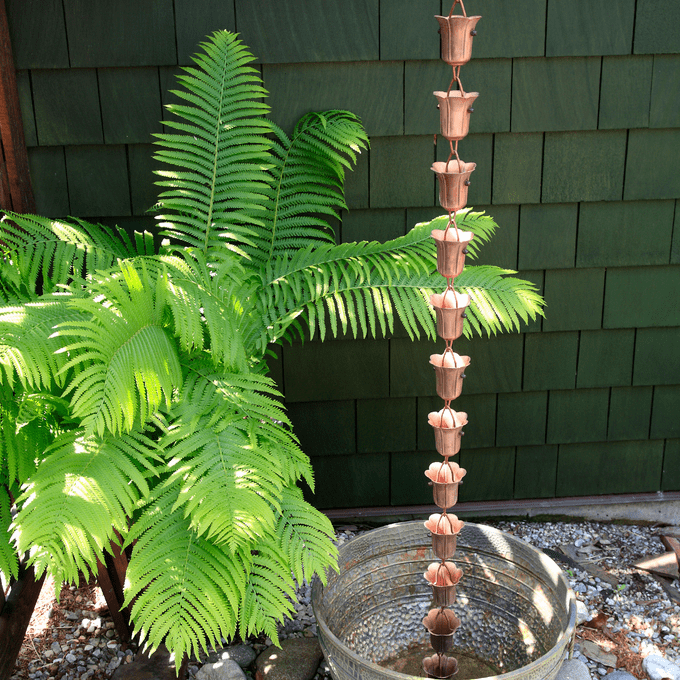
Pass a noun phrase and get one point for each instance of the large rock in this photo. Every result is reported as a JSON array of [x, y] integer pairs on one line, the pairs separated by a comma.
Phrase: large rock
[[159, 666], [244, 655], [582, 613], [658, 668], [621, 675], [573, 669], [297, 659], [221, 670]]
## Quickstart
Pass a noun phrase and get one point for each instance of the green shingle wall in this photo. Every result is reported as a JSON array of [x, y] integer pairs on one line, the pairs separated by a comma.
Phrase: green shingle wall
[[576, 136]]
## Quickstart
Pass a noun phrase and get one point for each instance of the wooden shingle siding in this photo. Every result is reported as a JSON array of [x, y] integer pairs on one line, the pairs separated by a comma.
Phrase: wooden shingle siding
[[656, 27], [66, 106], [371, 90], [26, 104], [550, 361], [610, 234], [625, 92], [670, 479], [665, 421], [575, 296], [665, 97], [630, 410], [535, 471], [652, 165], [576, 136], [310, 31], [584, 166], [675, 245], [195, 19], [555, 94], [612, 467], [518, 161], [38, 33], [547, 235], [634, 297], [124, 33], [506, 32], [47, 165], [605, 358], [126, 119], [521, 418], [582, 27]]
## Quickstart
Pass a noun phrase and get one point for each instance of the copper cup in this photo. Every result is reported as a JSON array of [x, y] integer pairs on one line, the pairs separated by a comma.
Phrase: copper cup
[[451, 250], [457, 34], [440, 666], [450, 378], [455, 108], [454, 180]]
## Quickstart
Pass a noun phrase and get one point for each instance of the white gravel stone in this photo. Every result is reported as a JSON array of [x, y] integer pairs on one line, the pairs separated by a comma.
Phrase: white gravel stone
[[573, 669], [657, 668], [221, 670]]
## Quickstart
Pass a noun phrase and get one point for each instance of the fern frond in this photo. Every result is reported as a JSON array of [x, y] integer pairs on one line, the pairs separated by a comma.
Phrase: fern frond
[[127, 364], [83, 491], [216, 198], [28, 425], [180, 585], [9, 560], [307, 537], [29, 351], [307, 181], [356, 283], [220, 445], [207, 306], [498, 301], [53, 252], [269, 593]]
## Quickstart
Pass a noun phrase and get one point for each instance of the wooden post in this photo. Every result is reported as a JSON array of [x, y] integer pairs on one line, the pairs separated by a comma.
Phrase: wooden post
[[16, 192], [113, 594], [15, 617]]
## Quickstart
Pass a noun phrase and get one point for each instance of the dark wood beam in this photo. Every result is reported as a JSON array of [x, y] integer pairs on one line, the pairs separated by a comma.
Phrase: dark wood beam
[[15, 617], [16, 192]]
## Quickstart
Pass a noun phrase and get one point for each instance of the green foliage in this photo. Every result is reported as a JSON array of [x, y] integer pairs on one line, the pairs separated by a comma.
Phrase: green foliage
[[135, 400]]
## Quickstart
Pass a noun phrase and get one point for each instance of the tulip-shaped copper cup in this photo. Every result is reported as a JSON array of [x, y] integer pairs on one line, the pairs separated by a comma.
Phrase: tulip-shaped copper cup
[[442, 624], [449, 369], [454, 180], [451, 250], [444, 530], [448, 429], [457, 33], [443, 578], [455, 108], [450, 310], [444, 480], [440, 666]]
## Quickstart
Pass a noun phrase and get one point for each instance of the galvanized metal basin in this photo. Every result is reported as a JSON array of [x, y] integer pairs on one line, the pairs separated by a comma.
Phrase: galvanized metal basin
[[516, 607]]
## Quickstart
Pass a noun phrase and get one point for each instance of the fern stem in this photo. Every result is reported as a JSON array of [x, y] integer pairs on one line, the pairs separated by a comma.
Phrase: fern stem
[[276, 202], [215, 155]]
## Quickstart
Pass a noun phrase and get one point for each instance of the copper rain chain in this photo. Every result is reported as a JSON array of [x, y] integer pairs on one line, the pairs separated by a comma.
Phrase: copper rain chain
[[455, 107]]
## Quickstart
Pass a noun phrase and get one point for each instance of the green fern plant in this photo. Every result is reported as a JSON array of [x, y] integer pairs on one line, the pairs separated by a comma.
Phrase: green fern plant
[[135, 397]]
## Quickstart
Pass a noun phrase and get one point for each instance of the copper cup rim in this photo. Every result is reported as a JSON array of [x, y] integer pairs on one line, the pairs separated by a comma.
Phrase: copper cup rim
[[440, 663], [457, 17], [455, 94], [439, 168], [436, 518], [438, 235], [457, 473], [452, 368], [462, 301], [456, 426]]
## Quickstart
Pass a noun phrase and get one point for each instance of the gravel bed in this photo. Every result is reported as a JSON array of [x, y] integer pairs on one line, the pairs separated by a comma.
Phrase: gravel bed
[[76, 640]]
